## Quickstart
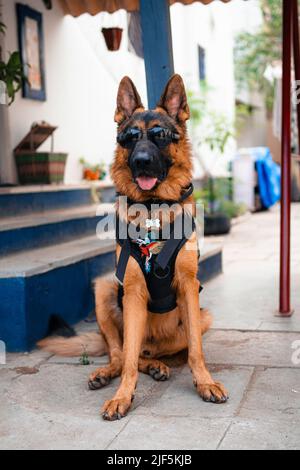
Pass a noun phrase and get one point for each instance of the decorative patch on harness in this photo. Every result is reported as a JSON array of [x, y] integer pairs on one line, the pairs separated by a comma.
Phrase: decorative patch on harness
[[152, 223], [148, 248]]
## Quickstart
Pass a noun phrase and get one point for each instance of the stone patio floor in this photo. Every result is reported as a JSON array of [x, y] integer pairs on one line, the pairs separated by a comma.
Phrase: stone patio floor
[[45, 403]]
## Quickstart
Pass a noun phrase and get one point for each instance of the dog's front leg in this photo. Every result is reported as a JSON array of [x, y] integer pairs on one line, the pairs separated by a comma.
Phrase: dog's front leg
[[188, 289], [134, 318]]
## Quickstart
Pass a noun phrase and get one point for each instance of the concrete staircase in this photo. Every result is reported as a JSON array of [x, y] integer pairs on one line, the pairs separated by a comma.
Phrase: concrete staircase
[[49, 257]]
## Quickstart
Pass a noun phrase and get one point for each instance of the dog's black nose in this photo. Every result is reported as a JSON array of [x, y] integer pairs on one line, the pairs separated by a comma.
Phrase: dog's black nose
[[142, 160]]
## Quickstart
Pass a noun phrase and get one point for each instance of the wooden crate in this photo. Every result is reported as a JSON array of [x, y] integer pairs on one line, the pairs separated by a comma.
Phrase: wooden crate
[[39, 167]]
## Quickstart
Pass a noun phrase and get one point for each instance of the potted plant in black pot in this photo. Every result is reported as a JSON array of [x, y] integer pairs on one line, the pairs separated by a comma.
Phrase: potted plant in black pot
[[219, 208], [210, 130]]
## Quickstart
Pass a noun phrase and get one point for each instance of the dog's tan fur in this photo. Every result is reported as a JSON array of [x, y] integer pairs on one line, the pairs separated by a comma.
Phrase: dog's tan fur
[[135, 339]]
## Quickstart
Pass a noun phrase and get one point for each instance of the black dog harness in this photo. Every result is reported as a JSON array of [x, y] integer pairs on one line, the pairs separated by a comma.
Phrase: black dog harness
[[156, 258]]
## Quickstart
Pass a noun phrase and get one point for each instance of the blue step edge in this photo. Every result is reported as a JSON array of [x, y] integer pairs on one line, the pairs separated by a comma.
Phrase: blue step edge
[[26, 238], [27, 303], [23, 203]]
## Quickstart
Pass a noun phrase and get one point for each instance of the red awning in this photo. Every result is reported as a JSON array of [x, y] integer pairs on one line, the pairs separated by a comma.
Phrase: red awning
[[78, 7]]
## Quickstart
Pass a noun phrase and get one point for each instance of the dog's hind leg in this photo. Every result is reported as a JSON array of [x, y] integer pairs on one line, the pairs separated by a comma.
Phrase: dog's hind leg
[[107, 317], [156, 369]]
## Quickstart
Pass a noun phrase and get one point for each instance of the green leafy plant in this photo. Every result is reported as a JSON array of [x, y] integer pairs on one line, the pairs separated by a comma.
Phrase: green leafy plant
[[211, 129], [255, 52], [208, 127], [213, 193], [2, 27], [242, 112], [93, 172], [11, 72], [218, 200], [84, 359], [232, 209]]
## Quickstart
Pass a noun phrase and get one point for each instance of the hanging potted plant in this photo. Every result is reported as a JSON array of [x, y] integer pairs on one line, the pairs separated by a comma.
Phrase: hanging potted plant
[[113, 38]]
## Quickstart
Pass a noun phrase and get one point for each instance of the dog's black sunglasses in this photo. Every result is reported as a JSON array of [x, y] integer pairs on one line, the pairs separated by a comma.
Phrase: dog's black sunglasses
[[160, 136]]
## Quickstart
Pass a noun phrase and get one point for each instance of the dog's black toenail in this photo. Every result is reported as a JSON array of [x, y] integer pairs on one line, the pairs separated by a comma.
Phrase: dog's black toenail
[[163, 378], [92, 386]]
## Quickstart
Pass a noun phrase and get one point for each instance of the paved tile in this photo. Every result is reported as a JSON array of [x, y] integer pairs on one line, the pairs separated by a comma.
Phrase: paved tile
[[94, 361], [250, 348], [63, 389], [169, 433], [45, 402], [246, 296], [21, 429], [262, 435], [274, 395], [32, 359], [6, 377], [282, 324], [181, 398]]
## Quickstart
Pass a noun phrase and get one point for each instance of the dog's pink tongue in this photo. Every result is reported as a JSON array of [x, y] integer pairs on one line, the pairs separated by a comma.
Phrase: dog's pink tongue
[[146, 182]]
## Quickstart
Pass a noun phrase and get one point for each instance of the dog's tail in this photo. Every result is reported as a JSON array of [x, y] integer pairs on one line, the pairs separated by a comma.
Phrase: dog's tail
[[206, 320], [92, 344]]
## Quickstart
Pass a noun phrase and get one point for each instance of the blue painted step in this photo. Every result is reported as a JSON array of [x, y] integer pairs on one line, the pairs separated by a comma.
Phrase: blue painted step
[[58, 280], [55, 280], [34, 199], [39, 230]]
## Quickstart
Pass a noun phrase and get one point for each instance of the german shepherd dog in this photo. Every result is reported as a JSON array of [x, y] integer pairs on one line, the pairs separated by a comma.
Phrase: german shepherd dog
[[149, 165]]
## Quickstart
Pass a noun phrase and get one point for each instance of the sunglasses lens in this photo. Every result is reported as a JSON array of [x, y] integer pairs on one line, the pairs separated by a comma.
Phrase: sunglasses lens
[[160, 136], [129, 137]]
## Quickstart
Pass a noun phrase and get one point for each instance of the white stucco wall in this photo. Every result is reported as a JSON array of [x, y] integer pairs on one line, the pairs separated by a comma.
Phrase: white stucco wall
[[211, 28], [82, 76], [81, 81], [214, 27]]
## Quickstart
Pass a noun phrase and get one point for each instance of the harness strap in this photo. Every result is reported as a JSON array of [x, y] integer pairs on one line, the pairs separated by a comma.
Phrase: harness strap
[[173, 244], [123, 261], [187, 194], [163, 305], [167, 252]]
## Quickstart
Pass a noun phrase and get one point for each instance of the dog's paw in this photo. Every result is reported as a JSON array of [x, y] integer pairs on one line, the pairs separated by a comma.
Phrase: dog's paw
[[99, 379], [214, 393], [116, 408], [159, 372]]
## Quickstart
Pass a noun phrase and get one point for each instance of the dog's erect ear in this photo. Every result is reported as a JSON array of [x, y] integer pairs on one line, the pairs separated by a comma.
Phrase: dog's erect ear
[[128, 100], [174, 99]]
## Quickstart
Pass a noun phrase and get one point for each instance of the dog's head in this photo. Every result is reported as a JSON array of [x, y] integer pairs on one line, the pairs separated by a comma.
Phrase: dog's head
[[153, 158]]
